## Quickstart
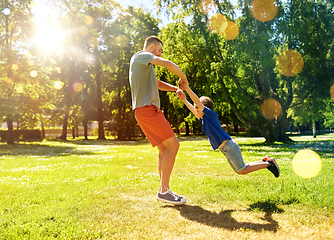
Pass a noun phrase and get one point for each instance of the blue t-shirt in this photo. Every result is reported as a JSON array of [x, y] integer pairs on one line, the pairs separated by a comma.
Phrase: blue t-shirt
[[212, 129]]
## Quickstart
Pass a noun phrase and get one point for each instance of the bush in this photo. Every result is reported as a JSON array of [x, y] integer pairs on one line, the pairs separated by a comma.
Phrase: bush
[[31, 134], [22, 134]]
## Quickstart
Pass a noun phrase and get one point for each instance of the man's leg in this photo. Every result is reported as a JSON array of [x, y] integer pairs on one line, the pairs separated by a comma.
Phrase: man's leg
[[167, 154]]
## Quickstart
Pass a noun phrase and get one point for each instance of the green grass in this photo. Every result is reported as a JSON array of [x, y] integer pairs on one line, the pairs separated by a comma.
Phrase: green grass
[[106, 190]]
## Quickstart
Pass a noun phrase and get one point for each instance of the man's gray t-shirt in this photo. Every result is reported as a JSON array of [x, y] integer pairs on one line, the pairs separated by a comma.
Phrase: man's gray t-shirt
[[143, 83]]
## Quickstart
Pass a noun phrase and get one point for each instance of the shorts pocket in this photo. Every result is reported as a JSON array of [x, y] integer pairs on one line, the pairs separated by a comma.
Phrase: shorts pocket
[[227, 146]]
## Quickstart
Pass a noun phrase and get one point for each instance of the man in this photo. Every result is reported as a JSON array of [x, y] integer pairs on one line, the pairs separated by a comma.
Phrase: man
[[146, 105]]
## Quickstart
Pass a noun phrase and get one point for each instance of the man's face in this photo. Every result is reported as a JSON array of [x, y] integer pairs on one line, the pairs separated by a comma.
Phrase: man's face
[[157, 50]]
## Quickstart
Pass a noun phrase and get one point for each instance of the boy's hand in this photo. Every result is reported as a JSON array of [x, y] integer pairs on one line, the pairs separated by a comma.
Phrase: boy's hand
[[181, 94], [183, 83]]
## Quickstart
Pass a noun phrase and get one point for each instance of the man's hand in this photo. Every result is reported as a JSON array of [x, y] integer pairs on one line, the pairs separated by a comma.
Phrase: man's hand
[[183, 83], [181, 94]]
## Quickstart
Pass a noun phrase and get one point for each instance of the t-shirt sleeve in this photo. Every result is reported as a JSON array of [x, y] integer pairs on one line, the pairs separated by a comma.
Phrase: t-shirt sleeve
[[144, 58], [209, 113]]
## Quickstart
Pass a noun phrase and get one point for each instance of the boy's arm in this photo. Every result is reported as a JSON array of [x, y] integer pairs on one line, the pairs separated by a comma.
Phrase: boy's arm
[[182, 96], [194, 97]]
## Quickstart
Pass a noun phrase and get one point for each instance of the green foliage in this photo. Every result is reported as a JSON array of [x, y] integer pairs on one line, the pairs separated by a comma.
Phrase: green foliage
[[242, 72]]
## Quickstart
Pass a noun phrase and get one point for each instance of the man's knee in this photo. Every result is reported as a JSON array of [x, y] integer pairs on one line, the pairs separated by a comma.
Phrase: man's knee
[[172, 143]]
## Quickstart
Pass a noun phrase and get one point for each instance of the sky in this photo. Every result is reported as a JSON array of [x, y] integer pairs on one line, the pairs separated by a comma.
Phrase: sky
[[41, 9], [146, 5]]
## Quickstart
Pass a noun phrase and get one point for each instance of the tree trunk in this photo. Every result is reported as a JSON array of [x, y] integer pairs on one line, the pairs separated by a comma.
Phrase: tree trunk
[[10, 133], [65, 122], [99, 101], [236, 127], [42, 125], [314, 129], [187, 128], [85, 125]]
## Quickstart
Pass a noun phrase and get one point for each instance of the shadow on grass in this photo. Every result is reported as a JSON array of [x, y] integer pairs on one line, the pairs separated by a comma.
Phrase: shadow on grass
[[101, 142], [225, 220], [36, 149]]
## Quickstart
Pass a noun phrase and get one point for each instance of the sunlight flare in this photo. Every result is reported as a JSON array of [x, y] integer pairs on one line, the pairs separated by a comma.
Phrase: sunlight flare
[[264, 10], [206, 6], [270, 108], [49, 37], [289, 63], [306, 163]]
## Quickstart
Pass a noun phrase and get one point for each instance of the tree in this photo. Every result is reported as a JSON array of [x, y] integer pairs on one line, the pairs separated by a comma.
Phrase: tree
[[245, 70], [16, 25], [123, 36]]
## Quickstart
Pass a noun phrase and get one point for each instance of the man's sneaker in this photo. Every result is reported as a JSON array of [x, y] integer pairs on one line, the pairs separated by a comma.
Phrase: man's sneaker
[[171, 197], [273, 167]]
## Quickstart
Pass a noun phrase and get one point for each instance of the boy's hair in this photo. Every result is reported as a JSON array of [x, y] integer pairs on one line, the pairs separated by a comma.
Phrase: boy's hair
[[152, 40], [207, 102]]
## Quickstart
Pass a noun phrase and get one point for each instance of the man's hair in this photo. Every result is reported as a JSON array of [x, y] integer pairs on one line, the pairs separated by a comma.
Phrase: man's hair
[[152, 40], [207, 102]]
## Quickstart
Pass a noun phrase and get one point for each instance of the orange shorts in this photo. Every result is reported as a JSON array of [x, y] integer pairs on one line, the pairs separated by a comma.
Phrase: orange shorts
[[154, 124]]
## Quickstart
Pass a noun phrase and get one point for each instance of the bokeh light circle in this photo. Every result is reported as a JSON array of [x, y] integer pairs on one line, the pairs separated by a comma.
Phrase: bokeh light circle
[[270, 109], [15, 66], [206, 6], [93, 42], [6, 11], [9, 80], [19, 89], [264, 10], [58, 85], [231, 30], [88, 20], [215, 22], [332, 92], [31, 63], [289, 63], [77, 87], [33, 73], [306, 163]]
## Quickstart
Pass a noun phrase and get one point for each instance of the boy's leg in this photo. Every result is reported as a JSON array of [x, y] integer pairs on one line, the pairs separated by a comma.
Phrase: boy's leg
[[254, 166]]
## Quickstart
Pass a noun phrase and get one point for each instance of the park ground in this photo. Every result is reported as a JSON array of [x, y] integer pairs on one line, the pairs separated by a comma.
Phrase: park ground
[[106, 190]]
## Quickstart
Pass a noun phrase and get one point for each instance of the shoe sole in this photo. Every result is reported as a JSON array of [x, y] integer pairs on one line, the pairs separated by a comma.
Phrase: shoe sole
[[171, 202], [279, 173]]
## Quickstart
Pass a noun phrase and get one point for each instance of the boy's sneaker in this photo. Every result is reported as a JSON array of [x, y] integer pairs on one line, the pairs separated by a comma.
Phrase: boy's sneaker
[[171, 197], [273, 167], [265, 159]]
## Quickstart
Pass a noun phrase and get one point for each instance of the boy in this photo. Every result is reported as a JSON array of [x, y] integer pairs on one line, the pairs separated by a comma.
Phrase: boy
[[203, 110]]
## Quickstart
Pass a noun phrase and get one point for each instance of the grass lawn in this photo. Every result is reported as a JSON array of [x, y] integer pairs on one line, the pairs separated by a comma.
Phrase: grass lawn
[[106, 190]]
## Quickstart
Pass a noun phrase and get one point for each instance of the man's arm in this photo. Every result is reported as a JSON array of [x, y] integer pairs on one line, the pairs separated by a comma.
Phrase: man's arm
[[172, 67], [163, 86]]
